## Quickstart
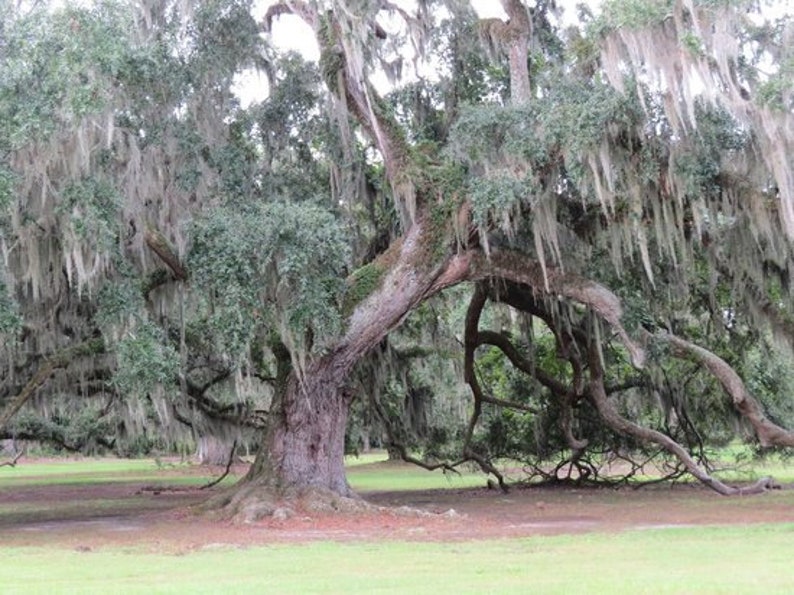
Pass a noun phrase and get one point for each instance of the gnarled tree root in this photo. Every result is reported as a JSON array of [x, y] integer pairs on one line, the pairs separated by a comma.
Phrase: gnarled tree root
[[251, 502]]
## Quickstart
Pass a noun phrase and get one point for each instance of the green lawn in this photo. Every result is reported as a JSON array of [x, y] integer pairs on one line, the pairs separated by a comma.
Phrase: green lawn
[[77, 466], [367, 472], [752, 559], [106, 470]]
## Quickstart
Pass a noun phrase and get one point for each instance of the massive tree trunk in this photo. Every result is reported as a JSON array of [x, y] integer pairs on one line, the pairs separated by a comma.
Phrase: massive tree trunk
[[305, 441], [301, 457], [303, 451]]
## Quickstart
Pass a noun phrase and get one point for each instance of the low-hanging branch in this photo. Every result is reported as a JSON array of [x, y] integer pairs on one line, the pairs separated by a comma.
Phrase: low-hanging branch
[[443, 465], [13, 462], [229, 463], [769, 433], [223, 412], [399, 446], [56, 435], [620, 424], [57, 361]]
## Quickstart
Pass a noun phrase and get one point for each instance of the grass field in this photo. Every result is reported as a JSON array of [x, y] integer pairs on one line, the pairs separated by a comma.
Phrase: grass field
[[755, 559], [366, 473], [653, 559]]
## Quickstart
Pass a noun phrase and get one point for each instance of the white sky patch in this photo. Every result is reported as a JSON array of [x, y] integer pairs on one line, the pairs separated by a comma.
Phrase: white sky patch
[[291, 33], [489, 9]]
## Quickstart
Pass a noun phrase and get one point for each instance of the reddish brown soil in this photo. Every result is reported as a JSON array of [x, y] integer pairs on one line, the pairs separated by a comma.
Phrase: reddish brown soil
[[89, 516]]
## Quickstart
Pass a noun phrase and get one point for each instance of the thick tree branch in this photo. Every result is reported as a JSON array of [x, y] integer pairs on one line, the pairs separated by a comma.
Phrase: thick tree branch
[[620, 424], [512, 38], [518, 33], [397, 444], [341, 63], [158, 244], [475, 265], [59, 360], [212, 408], [769, 434], [471, 342]]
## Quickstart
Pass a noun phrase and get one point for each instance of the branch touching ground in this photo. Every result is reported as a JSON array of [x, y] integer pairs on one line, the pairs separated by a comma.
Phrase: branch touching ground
[[12, 462], [443, 465], [622, 425], [471, 342], [769, 434], [215, 482]]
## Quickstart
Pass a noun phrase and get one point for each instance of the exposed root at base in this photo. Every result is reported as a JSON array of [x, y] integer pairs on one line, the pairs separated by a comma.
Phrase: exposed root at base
[[252, 503]]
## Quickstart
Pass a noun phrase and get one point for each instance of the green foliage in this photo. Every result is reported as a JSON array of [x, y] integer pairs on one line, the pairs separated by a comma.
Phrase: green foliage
[[10, 319], [237, 161], [66, 429], [225, 36], [118, 303], [293, 142], [777, 91], [573, 118], [91, 208], [699, 162], [8, 180], [634, 14], [145, 360], [493, 196], [278, 265], [58, 66], [769, 377], [692, 43], [579, 116]]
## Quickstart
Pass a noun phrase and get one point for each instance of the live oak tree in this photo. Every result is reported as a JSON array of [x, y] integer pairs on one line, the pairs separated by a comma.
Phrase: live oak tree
[[624, 185], [117, 124], [586, 165]]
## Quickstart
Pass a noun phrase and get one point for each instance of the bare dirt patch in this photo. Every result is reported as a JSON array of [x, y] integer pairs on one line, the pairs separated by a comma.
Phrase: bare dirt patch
[[88, 516]]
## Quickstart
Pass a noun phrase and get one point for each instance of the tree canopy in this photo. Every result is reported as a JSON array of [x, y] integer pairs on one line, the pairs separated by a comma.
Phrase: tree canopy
[[557, 237]]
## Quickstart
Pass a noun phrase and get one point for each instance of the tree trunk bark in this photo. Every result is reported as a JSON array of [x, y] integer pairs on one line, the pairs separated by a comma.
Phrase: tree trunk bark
[[303, 451], [519, 31], [301, 459], [304, 446]]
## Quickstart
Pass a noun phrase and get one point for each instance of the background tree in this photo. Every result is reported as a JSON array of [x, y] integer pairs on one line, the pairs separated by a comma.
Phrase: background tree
[[117, 121]]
